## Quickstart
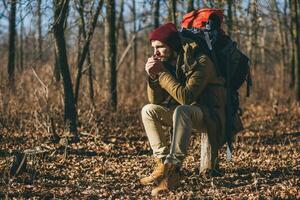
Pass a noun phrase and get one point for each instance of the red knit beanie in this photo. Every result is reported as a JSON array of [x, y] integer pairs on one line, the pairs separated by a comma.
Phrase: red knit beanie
[[168, 35]]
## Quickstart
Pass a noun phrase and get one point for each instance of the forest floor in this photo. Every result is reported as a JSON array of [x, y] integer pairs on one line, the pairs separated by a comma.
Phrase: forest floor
[[111, 157]]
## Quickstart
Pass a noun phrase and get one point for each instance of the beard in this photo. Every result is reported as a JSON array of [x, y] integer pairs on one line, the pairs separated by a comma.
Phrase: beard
[[169, 58]]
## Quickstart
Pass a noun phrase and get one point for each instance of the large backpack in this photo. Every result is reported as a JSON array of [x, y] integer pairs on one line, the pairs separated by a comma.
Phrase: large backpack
[[203, 27]]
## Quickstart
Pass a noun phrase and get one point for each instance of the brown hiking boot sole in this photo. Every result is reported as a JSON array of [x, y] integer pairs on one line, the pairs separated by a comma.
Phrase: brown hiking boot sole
[[150, 180], [163, 186]]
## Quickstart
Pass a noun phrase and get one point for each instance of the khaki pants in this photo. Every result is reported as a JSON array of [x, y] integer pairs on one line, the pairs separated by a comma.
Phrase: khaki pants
[[183, 119]]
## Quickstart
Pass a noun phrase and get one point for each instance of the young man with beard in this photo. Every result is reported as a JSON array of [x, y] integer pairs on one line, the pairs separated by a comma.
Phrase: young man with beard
[[186, 94]]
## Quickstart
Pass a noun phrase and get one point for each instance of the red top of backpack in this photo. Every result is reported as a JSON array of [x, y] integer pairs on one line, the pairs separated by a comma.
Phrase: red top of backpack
[[198, 18]]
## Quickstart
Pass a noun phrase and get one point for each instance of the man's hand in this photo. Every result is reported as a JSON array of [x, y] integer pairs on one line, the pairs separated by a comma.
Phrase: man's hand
[[153, 67]]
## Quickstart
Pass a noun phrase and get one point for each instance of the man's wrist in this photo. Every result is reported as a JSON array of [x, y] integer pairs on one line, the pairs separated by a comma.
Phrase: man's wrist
[[153, 79]]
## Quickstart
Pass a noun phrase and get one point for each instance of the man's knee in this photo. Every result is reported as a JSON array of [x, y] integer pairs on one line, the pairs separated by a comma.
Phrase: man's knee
[[182, 109], [191, 114], [149, 110]]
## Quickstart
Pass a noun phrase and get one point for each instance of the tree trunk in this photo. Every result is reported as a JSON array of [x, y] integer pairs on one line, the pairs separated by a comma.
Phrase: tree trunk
[[282, 45], [297, 69], [229, 17], [237, 24], [21, 50], [120, 20], [39, 27], [12, 44], [79, 41], [172, 11], [91, 84], [190, 6], [293, 38], [253, 33], [56, 66], [287, 43], [134, 46], [70, 115], [156, 14], [85, 50], [111, 52], [123, 43], [121, 27]]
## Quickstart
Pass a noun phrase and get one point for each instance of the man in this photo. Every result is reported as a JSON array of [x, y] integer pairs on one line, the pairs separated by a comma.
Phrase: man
[[185, 93]]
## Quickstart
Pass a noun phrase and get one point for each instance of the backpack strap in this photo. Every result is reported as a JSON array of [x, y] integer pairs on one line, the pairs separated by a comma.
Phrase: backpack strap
[[189, 56], [249, 82], [229, 111]]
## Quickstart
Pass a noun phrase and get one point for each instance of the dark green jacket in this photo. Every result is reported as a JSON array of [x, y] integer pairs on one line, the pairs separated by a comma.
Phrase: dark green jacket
[[195, 83]]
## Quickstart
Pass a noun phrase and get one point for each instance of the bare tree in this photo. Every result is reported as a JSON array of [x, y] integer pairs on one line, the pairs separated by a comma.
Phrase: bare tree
[[121, 37], [121, 28], [229, 17], [21, 39], [253, 31], [293, 37], [70, 114], [79, 37], [85, 50], [120, 23], [39, 27], [12, 43], [296, 5], [56, 71], [236, 22], [90, 76], [111, 52], [282, 42], [172, 11], [285, 25], [134, 46], [262, 48], [156, 13]]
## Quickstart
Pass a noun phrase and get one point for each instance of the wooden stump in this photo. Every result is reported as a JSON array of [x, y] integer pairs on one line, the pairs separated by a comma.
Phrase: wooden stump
[[209, 156], [21, 160]]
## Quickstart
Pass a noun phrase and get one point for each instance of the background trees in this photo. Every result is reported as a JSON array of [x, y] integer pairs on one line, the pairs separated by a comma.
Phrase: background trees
[[87, 36]]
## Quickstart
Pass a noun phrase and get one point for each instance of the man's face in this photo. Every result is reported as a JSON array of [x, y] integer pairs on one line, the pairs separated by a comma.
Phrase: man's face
[[162, 51]]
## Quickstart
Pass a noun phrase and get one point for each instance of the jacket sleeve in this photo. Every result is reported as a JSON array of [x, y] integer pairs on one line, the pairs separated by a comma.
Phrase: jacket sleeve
[[197, 80], [156, 94]]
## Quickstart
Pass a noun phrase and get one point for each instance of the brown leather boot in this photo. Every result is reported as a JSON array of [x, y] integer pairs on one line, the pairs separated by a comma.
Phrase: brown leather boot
[[157, 173], [170, 180]]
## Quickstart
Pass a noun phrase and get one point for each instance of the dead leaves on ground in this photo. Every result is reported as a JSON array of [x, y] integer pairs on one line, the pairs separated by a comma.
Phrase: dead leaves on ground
[[114, 153]]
